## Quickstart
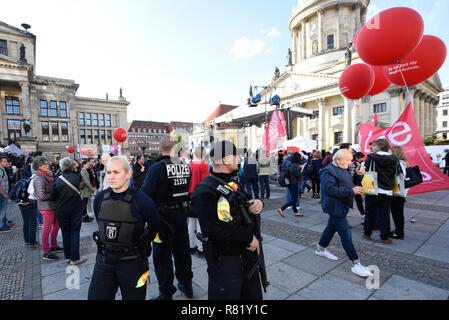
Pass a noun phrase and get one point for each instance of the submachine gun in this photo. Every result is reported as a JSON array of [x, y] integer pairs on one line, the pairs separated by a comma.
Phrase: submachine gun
[[252, 220]]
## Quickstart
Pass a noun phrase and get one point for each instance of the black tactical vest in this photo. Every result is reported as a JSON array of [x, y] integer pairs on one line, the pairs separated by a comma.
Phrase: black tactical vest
[[177, 184], [117, 228]]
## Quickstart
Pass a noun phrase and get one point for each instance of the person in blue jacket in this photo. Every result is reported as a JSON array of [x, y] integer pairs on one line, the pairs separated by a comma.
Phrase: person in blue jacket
[[337, 196]]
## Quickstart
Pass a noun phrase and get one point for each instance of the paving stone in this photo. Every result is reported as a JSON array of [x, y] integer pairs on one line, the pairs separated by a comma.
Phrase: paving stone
[[288, 278], [331, 287], [308, 261], [401, 288], [273, 254], [287, 245], [274, 293], [296, 297], [70, 294], [434, 252], [57, 282], [343, 271], [201, 277], [408, 246]]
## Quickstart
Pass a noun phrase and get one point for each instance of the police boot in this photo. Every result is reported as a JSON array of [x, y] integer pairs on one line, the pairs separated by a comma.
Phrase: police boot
[[163, 297], [186, 289]]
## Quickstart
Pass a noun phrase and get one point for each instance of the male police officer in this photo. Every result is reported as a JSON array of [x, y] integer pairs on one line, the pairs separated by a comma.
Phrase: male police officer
[[231, 249], [167, 183]]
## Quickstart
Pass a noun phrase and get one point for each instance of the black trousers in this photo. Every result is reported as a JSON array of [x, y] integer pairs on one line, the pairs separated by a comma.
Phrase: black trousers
[[374, 204], [316, 186], [70, 227], [107, 278], [176, 250], [359, 202], [227, 277], [397, 212]]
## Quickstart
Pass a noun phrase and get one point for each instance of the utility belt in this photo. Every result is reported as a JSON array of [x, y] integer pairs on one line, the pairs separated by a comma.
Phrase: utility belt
[[113, 254], [178, 205], [217, 249]]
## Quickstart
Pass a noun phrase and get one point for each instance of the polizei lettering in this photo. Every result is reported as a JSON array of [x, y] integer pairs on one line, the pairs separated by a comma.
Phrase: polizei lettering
[[178, 171]]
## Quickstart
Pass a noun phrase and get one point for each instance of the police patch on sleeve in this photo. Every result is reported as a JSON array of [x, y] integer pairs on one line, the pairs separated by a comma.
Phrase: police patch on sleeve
[[224, 210]]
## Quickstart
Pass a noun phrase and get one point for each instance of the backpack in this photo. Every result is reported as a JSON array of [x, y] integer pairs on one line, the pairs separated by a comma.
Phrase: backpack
[[310, 170], [284, 177], [19, 192]]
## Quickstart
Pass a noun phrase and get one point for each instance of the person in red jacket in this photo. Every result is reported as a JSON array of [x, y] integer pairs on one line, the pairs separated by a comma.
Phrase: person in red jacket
[[199, 170]]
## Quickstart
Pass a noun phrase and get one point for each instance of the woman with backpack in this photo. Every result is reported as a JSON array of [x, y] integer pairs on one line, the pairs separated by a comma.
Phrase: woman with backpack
[[293, 173]]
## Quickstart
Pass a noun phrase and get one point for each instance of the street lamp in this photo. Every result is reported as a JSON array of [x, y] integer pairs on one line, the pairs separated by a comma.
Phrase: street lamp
[[254, 101], [143, 145]]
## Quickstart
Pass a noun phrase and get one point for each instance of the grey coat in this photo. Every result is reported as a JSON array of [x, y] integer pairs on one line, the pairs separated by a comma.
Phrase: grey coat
[[42, 192], [88, 190]]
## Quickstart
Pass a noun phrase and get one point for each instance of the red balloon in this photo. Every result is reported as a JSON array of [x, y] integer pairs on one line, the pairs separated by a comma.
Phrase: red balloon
[[424, 62], [70, 149], [380, 81], [120, 134], [356, 81], [390, 36]]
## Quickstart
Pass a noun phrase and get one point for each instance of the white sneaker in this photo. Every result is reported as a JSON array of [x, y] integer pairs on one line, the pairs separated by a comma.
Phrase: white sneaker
[[360, 270], [325, 253]]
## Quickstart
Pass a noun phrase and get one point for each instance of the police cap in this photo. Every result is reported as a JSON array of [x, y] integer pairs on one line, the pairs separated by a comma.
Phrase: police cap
[[222, 149]]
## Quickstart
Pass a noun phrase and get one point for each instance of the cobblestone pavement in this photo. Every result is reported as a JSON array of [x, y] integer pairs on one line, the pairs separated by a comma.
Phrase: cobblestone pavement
[[418, 265]]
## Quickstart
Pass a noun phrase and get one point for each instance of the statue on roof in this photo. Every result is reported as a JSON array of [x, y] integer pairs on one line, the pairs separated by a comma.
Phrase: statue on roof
[[289, 57], [22, 54], [348, 55], [277, 73]]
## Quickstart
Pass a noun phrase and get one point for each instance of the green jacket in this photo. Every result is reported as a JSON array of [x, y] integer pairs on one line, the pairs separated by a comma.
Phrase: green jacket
[[88, 190]]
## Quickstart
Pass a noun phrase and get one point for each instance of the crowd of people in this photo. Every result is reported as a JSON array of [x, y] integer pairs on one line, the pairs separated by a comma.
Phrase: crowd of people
[[185, 206]]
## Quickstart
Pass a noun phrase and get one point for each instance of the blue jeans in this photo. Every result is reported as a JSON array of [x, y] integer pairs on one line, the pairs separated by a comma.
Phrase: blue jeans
[[251, 183], [70, 228], [264, 184], [29, 224], [3, 207], [294, 198], [40, 218], [288, 197], [341, 226]]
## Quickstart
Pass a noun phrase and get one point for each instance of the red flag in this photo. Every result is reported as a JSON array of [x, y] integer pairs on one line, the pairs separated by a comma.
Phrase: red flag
[[283, 126], [375, 118], [405, 133], [273, 133]]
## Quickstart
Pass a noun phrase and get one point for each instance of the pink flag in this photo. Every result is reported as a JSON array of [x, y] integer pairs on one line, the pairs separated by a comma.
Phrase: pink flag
[[283, 126], [375, 118], [405, 133], [272, 133]]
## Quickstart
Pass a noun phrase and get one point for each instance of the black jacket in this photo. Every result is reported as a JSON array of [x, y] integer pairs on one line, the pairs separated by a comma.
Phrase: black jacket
[[138, 176], [67, 200], [385, 166]]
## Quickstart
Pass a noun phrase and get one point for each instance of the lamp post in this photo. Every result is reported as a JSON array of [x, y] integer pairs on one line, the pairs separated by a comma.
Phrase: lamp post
[[254, 101]]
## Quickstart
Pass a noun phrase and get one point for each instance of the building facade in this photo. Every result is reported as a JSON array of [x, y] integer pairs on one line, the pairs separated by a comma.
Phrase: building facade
[[321, 32], [442, 112], [58, 118], [145, 136]]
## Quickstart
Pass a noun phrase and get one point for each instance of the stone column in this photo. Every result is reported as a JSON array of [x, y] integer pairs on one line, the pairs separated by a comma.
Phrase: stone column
[[321, 122], [320, 29], [421, 115], [356, 8], [347, 132], [303, 41], [339, 29], [394, 104], [353, 138], [416, 105], [295, 45]]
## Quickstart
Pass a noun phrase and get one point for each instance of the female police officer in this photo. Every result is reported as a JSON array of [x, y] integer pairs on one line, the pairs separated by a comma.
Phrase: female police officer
[[123, 242]]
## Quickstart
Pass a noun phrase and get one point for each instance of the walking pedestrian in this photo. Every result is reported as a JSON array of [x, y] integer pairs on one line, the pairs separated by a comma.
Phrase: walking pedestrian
[[337, 197], [69, 210], [42, 184], [4, 189], [294, 174]]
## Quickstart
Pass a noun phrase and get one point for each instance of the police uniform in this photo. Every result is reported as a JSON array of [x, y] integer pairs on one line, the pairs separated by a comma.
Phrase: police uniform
[[123, 243], [167, 183], [226, 235]]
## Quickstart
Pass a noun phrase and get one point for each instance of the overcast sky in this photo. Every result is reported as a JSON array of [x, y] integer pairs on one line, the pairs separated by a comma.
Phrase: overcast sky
[[176, 60]]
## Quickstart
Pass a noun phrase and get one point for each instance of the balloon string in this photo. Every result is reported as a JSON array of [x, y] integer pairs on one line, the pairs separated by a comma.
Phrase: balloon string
[[407, 91]]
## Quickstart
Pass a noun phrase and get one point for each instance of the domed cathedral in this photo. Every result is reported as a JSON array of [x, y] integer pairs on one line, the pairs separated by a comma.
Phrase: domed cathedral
[[322, 32]]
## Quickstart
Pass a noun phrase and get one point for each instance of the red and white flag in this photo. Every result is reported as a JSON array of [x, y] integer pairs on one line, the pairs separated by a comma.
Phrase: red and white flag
[[283, 126], [375, 118], [405, 133], [273, 133]]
